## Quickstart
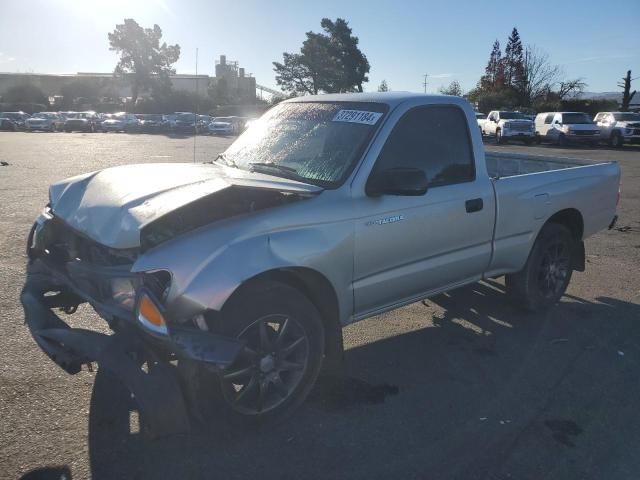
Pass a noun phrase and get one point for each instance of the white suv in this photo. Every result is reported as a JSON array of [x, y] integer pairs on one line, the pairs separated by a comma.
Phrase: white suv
[[618, 127], [508, 126], [564, 127]]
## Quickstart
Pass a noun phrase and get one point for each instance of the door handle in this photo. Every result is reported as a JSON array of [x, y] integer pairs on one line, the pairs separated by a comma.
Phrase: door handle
[[474, 205]]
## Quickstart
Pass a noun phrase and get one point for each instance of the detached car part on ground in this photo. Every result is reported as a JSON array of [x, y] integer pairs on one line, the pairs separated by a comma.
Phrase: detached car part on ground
[[228, 283]]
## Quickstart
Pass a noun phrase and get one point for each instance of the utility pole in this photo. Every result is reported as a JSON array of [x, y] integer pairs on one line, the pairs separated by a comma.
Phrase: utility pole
[[424, 84], [195, 115]]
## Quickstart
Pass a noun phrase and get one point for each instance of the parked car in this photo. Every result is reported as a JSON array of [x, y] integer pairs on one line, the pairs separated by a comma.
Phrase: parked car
[[563, 127], [44, 121], [80, 122], [505, 125], [7, 124], [227, 125], [18, 118], [185, 122], [152, 123], [100, 118], [121, 122], [617, 128], [244, 270]]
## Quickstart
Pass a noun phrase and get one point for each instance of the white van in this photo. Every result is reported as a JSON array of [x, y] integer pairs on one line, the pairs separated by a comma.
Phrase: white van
[[565, 127]]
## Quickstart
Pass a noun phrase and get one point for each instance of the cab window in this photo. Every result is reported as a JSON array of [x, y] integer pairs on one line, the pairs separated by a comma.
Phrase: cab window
[[435, 139]]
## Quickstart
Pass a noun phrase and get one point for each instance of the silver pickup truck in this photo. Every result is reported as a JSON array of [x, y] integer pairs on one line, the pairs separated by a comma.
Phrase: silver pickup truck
[[239, 274]]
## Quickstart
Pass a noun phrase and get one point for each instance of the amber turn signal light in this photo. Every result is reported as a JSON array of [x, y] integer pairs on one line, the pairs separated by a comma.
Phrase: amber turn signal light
[[150, 316]]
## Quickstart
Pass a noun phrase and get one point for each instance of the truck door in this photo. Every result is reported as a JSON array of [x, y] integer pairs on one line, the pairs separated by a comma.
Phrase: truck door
[[406, 246]]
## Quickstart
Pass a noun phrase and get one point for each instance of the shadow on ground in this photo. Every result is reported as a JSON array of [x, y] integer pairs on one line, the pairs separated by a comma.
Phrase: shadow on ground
[[484, 391]]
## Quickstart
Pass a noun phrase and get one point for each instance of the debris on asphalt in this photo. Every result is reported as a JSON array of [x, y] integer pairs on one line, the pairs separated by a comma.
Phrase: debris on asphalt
[[621, 353], [4, 164]]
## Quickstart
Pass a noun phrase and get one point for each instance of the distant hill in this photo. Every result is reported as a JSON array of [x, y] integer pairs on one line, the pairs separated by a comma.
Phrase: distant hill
[[617, 96]]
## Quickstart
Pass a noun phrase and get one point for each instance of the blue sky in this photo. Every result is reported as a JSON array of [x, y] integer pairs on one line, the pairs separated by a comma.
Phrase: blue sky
[[403, 39]]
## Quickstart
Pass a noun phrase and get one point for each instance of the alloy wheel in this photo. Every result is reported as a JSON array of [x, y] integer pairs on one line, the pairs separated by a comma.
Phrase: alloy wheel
[[554, 269], [270, 367]]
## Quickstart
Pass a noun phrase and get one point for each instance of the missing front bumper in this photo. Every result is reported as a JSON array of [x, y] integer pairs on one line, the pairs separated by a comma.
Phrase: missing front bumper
[[157, 391]]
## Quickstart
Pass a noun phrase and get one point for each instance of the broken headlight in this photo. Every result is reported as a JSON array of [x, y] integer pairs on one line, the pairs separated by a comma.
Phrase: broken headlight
[[124, 289], [123, 292]]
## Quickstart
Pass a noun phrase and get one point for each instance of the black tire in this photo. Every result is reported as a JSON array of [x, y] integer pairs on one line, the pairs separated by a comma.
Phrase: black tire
[[274, 373], [616, 140], [562, 141], [499, 138], [547, 273], [538, 139]]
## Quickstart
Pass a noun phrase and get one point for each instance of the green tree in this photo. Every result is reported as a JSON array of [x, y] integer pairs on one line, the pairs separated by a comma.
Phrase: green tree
[[383, 87], [627, 94], [514, 61], [343, 48], [294, 75], [494, 71], [454, 89], [141, 55], [327, 62], [25, 93]]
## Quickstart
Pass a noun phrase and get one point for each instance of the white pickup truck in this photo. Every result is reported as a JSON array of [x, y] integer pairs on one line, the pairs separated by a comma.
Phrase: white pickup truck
[[328, 210], [504, 126], [617, 128]]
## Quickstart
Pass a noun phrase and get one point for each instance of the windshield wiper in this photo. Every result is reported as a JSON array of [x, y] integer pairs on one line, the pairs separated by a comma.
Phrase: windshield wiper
[[226, 161], [263, 167]]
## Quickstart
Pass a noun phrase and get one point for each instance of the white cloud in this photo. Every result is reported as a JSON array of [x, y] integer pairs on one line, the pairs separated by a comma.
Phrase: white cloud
[[4, 58]]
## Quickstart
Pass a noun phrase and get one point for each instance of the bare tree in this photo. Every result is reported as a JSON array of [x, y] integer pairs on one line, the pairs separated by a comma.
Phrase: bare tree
[[627, 94], [542, 78], [539, 75], [570, 88], [454, 89]]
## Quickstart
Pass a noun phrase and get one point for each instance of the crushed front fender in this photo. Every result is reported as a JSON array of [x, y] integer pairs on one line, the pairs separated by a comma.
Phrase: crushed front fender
[[157, 392]]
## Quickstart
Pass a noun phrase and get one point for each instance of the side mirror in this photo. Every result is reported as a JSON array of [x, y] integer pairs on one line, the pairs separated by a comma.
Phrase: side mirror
[[402, 181]]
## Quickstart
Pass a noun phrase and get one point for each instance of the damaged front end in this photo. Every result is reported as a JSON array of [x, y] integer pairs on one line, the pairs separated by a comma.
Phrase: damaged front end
[[67, 269]]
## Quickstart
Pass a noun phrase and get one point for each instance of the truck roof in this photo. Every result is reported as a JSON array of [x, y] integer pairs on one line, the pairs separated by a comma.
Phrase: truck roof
[[390, 98]]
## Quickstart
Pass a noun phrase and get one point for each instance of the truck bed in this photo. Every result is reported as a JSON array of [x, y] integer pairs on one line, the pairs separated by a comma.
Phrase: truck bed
[[529, 189], [500, 165]]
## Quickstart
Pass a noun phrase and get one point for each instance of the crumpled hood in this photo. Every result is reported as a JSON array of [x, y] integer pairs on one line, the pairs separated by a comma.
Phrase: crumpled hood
[[112, 205]]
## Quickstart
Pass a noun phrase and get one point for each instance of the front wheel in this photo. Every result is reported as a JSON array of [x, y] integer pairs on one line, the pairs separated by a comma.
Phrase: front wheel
[[284, 347], [546, 275], [562, 141], [616, 140], [499, 137]]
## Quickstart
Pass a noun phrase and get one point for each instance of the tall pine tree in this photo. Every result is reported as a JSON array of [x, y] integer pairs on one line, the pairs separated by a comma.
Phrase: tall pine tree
[[494, 71], [514, 62]]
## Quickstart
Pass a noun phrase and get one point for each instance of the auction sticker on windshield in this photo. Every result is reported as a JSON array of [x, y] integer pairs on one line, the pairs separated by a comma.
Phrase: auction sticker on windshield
[[357, 116]]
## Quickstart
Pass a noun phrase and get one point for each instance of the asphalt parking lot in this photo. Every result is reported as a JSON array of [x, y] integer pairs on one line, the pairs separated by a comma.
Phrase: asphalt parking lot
[[462, 386]]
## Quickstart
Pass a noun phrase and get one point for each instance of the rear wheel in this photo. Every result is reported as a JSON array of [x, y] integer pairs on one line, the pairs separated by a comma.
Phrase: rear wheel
[[546, 275], [499, 137], [562, 141], [284, 346]]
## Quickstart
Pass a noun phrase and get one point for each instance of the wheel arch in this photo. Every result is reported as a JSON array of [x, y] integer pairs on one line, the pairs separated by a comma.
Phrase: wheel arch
[[573, 220], [319, 290], [570, 218]]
